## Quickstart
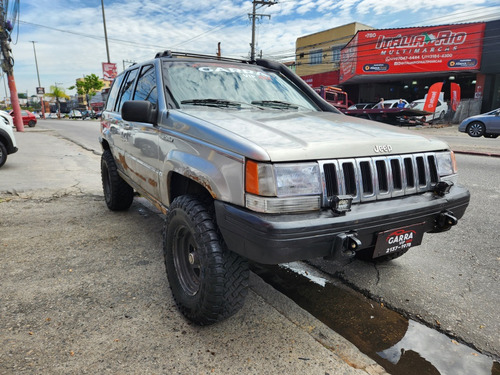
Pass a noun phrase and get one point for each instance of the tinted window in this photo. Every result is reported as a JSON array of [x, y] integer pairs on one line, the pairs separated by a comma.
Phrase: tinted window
[[127, 88], [146, 85], [113, 93]]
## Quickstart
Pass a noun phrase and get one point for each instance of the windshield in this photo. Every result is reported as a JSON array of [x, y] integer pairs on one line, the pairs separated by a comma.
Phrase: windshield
[[232, 85]]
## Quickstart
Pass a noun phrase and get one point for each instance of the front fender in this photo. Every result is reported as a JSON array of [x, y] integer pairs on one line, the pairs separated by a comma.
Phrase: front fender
[[220, 174]]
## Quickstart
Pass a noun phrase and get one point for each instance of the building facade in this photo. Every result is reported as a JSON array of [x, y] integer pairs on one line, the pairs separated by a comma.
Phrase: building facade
[[318, 55], [405, 62]]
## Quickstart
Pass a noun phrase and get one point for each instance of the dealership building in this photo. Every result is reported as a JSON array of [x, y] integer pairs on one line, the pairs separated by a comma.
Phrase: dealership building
[[370, 64]]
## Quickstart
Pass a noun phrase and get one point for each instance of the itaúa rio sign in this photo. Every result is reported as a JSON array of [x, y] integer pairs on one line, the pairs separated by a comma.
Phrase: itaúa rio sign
[[413, 50]]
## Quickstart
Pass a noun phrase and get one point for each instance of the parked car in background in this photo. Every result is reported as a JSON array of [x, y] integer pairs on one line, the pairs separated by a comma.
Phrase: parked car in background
[[362, 106], [7, 140], [439, 113], [75, 113], [392, 103], [28, 117], [52, 115], [486, 124]]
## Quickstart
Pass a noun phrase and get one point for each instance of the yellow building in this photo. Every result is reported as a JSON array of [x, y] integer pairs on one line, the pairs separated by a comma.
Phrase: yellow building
[[320, 52]]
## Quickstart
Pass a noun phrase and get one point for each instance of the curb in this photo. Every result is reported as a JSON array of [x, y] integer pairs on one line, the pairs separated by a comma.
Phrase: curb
[[477, 153]]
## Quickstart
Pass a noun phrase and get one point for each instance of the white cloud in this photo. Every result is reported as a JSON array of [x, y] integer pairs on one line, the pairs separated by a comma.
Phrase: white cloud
[[137, 29]]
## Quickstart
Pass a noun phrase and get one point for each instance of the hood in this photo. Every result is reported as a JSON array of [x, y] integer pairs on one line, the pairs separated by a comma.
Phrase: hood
[[300, 135]]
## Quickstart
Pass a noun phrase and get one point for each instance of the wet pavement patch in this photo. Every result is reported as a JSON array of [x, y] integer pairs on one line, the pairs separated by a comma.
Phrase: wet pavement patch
[[401, 346]]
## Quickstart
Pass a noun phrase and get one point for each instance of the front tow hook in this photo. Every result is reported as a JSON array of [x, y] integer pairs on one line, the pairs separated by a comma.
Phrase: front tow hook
[[345, 244], [445, 221]]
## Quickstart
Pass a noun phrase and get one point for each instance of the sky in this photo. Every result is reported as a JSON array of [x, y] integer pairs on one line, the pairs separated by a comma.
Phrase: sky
[[69, 34]]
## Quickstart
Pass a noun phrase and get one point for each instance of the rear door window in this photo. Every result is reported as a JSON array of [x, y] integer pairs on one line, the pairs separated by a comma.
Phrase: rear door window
[[146, 85], [127, 88]]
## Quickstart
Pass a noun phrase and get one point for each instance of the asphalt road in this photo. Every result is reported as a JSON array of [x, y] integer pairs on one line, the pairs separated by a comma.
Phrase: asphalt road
[[451, 281]]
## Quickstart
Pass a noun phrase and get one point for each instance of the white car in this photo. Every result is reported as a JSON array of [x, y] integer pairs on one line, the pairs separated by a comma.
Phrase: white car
[[7, 140], [391, 103], [75, 113], [439, 113]]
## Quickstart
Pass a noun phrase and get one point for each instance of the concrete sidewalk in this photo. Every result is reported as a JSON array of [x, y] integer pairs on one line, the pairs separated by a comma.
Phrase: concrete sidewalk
[[84, 289]]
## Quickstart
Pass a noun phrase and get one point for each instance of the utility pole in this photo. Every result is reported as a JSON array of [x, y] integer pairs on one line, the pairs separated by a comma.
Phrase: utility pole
[[8, 68], [38, 76], [253, 16], [105, 32]]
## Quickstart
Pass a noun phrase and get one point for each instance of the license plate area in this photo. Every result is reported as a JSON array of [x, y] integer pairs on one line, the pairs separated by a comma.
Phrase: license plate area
[[395, 240]]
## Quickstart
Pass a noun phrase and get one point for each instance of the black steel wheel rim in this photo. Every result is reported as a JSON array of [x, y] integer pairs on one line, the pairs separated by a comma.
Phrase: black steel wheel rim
[[186, 260]]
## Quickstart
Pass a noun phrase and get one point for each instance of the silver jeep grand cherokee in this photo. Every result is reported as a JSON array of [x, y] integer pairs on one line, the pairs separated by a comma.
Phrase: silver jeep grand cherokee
[[249, 163]]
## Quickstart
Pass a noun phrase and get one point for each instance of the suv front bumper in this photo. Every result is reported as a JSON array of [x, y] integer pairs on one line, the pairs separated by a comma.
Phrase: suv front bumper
[[273, 239]]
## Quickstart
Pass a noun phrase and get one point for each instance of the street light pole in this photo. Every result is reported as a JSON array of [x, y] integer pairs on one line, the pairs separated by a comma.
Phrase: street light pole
[[38, 76], [105, 32]]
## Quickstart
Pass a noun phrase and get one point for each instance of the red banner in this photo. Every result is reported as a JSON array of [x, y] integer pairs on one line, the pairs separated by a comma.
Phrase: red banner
[[109, 71], [413, 50], [432, 97], [325, 79], [455, 95]]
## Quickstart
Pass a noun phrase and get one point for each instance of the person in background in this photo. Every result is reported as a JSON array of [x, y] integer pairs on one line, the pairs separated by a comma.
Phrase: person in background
[[380, 104], [401, 104]]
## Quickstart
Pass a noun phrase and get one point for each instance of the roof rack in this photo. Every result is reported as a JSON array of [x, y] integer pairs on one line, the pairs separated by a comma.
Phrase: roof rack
[[172, 54]]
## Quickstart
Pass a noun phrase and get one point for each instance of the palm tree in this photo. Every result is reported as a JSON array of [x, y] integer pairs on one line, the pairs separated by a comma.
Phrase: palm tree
[[57, 93]]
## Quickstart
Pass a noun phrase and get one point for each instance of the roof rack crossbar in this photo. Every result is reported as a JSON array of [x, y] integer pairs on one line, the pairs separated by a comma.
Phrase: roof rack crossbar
[[171, 54]]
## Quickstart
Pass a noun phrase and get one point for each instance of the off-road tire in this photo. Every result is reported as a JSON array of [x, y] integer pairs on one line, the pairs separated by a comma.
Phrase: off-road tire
[[476, 129], [209, 283], [117, 193], [3, 154], [367, 255]]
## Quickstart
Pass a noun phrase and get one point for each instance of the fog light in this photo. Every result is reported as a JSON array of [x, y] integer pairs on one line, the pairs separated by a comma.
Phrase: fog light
[[340, 204], [443, 187]]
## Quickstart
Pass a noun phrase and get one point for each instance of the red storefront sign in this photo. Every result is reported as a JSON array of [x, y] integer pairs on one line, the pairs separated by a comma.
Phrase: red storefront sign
[[109, 71], [413, 50], [325, 79]]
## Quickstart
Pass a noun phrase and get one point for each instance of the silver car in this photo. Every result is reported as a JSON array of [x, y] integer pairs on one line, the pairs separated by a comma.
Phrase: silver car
[[486, 124]]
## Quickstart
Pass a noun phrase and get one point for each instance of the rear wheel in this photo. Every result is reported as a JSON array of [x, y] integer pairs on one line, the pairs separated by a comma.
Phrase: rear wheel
[[476, 129], [209, 282], [3, 154], [117, 193]]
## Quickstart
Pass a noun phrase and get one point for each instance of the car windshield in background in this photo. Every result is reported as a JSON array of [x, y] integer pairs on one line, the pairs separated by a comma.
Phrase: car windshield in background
[[232, 86]]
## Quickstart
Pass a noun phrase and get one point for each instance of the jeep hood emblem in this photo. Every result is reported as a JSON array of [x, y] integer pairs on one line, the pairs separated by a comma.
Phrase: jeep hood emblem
[[382, 149]]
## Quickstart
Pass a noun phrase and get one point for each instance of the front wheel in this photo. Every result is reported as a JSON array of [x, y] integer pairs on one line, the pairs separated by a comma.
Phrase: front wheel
[[209, 282], [117, 193], [476, 129], [31, 123], [3, 154]]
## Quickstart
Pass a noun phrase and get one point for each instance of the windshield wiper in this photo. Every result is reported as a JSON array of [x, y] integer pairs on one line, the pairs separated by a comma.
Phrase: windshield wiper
[[278, 104], [212, 102]]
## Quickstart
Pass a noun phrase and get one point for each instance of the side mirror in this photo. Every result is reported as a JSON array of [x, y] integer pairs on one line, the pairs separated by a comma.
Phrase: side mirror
[[139, 111]]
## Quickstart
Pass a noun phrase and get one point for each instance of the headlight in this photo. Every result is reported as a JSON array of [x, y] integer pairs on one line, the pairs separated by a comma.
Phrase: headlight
[[446, 163], [278, 188]]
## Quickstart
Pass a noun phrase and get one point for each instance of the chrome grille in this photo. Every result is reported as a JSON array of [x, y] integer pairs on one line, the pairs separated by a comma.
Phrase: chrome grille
[[381, 177]]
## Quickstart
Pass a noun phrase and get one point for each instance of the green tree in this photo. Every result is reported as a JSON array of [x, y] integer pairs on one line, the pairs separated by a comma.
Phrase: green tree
[[88, 87], [57, 93]]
